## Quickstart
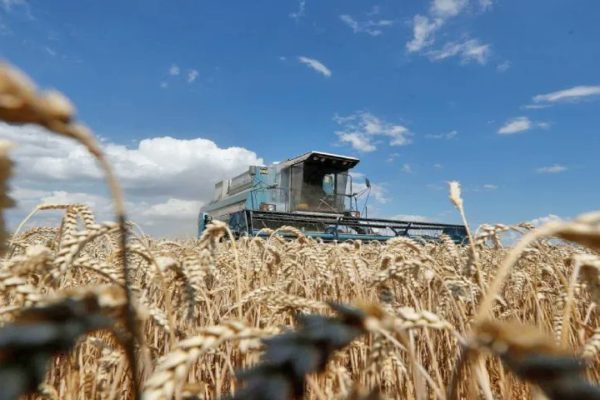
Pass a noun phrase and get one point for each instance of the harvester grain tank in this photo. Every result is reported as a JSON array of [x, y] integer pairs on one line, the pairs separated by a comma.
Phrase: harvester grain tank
[[314, 193]]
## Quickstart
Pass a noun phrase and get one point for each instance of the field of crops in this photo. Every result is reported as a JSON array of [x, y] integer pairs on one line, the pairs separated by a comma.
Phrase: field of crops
[[202, 306], [101, 311]]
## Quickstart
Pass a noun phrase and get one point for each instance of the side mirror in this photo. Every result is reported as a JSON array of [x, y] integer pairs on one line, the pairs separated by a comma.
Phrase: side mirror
[[367, 182]]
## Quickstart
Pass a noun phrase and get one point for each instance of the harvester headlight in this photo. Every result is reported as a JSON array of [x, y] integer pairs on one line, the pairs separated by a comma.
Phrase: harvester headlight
[[268, 207], [353, 214]]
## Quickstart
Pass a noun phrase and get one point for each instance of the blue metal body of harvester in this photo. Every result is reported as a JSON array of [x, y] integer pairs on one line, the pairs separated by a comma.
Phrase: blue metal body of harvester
[[314, 193]]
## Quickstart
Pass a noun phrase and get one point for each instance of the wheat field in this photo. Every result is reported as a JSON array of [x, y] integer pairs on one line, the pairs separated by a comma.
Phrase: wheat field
[[95, 310]]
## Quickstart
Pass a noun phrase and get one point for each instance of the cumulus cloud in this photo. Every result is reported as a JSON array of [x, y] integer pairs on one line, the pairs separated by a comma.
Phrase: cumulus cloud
[[503, 66], [447, 136], [521, 124], [392, 157], [573, 94], [447, 8], [425, 27], [545, 219], [174, 70], [28, 198], [176, 73], [163, 177], [552, 169], [361, 129], [378, 191], [370, 26], [535, 106], [170, 209], [192, 75], [423, 33], [406, 168], [357, 141], [468, 50], [515, 125], [50, 51], [172, 217], [315, 65]]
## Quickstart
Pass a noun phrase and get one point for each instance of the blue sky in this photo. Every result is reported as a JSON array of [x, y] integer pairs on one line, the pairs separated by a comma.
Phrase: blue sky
[[503, 96]]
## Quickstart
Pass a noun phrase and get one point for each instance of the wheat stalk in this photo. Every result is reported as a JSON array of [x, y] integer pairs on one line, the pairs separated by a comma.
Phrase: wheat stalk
[[172, 370]]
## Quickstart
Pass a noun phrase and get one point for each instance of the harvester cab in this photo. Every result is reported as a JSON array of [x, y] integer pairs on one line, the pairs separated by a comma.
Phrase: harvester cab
[[314, 193]]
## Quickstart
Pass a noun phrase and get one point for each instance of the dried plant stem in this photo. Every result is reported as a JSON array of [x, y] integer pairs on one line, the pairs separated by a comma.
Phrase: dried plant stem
[[22, 223], [119, 208], [438, 393], [568, 305], [494, 288]]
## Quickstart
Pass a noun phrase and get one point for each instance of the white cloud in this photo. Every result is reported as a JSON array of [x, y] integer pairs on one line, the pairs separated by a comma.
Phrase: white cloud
[[301, 12], [351, 22], [50, 51], [521, 124], [573, 94], [474, 50], [469, 50], [170, 217], [174, 70], [515, 125], [543, 125], [158, 174], [487, 187], [369, 26], [175, 73], [378, 192], [357, 141], [503, 66], [406, 168], [27, 199], [315, 65], [392, 157], [423, 33], [447, 8], [448, 135], [172, 208], [360, 130], [544, 220], [425, 27], [552, 169], [535, 106], [192, 75], [98, 203]]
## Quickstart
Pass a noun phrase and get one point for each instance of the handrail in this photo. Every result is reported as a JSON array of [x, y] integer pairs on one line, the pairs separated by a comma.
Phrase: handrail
[[350, 221]]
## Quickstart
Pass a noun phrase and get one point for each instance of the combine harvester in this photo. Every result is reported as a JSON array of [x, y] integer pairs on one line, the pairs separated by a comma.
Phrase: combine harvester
[[312, 192]]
